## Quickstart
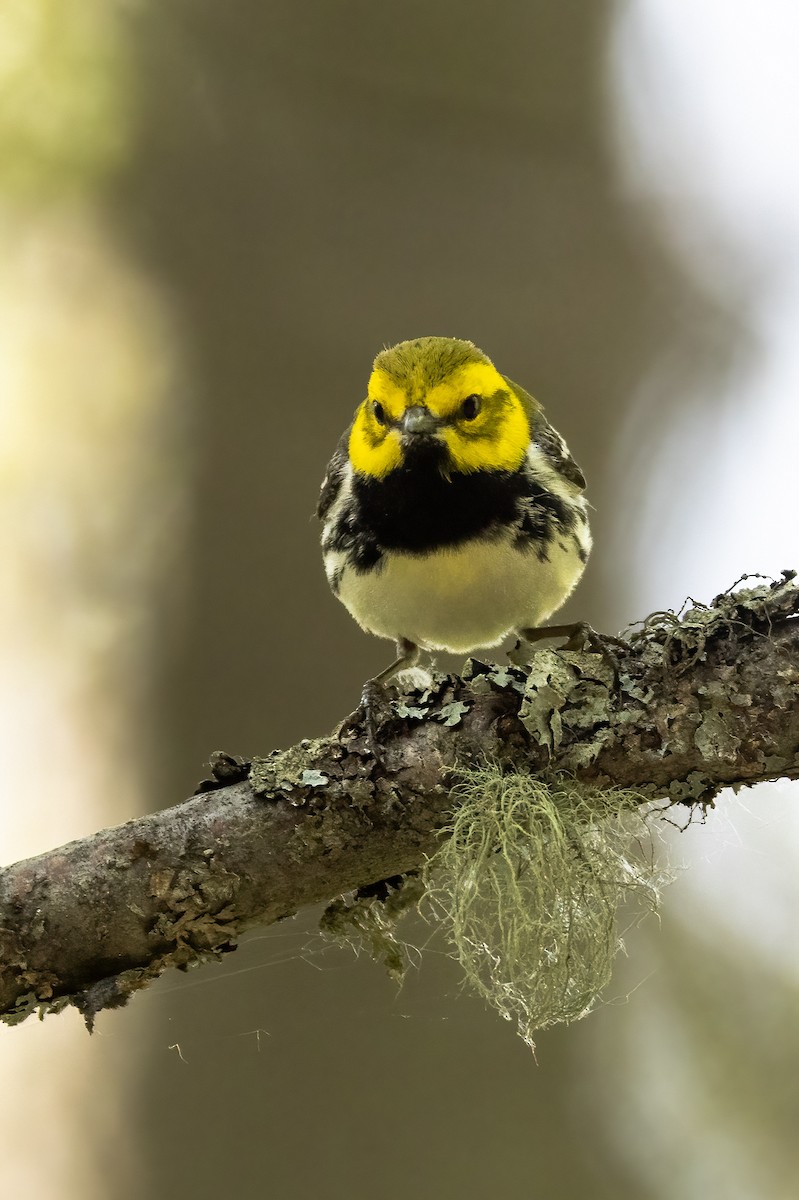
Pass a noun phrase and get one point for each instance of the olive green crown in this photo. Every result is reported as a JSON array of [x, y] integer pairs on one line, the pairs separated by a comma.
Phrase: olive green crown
[[427, 360]]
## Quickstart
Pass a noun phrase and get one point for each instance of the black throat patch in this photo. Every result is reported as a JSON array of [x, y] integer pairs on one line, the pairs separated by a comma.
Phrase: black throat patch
[[417, 508]]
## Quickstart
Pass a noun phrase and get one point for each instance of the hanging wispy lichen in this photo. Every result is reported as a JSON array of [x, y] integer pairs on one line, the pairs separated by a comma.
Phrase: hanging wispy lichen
[[366, 920], [529, 881]]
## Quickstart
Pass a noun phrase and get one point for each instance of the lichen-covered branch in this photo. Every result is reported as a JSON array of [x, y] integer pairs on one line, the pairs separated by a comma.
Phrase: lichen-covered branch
[[698, 702]]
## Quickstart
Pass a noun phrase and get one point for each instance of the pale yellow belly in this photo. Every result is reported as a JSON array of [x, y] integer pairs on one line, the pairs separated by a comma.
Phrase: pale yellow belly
[[461, 598]]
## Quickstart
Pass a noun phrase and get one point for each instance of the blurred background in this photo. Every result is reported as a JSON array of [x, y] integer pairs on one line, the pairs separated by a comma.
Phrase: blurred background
[[211, 218]]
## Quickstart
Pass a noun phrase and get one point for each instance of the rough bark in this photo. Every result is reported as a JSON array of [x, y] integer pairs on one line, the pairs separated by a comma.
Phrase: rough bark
[[695, 704]]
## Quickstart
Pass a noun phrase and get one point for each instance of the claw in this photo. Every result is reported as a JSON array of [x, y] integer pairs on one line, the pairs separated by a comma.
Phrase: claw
[[581, 636], [375, 704], [376, 708]]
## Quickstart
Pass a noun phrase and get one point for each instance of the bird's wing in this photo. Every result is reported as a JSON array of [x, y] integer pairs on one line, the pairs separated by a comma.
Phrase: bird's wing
[[331, 484], [548, 438], [556, 450]]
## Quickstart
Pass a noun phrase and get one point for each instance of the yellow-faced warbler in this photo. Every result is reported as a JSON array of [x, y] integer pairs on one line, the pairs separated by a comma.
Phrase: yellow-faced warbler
[[453, 512]]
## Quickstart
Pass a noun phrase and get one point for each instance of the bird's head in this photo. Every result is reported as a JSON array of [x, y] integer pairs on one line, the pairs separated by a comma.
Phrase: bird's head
[[441, 399]]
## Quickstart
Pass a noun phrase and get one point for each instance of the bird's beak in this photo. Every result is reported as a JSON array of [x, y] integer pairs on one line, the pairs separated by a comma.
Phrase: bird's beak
[[418, 419]]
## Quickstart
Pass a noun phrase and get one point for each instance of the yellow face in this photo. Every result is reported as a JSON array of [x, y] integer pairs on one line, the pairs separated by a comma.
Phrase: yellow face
[[473, 411]]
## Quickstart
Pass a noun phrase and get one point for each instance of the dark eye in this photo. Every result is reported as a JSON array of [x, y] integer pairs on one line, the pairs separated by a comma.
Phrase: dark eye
[[470, 408], [377, 409]]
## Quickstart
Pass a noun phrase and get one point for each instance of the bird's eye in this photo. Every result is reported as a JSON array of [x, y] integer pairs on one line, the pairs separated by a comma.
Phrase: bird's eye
[[379, 414], [470, 408]]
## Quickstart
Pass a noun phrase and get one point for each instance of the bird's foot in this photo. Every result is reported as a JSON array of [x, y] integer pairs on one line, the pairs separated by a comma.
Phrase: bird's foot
[[375, 703], [377, 711], [582, 636]]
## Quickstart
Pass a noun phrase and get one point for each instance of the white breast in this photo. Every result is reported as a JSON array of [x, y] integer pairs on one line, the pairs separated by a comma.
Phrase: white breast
[[463, 597]]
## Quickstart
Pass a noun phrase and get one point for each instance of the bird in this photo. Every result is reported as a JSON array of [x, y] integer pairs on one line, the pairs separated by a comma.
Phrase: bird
[[453, 513]]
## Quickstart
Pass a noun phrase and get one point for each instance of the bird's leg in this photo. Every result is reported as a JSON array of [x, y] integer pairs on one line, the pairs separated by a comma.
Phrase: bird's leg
[[580, 636], [407, 657], [374, 698]]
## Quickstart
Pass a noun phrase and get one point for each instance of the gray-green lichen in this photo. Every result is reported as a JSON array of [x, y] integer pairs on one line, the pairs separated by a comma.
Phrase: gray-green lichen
[[452, 714], [291, 772], [565, 699], [367, 920], [528, 883]]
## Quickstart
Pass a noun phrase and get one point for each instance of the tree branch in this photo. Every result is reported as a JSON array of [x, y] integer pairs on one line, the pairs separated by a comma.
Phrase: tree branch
[[697, 703]]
